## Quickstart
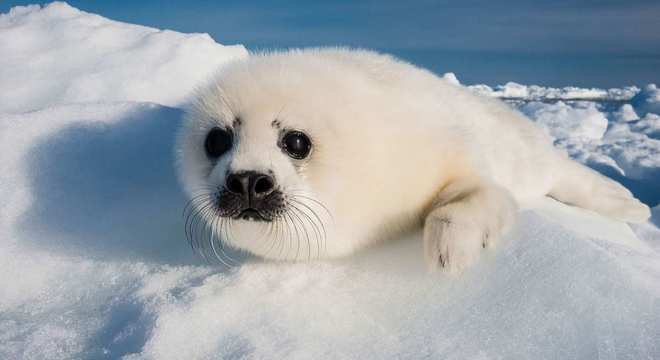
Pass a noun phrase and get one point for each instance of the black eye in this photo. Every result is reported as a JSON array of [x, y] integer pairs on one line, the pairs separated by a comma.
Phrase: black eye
[[296, 144], [218, 141]]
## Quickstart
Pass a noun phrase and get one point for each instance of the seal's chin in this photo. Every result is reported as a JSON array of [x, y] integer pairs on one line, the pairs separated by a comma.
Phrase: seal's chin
[[251, 214]]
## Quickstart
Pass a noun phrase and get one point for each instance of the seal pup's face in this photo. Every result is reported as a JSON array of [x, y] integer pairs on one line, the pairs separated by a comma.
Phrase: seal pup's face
[[249, 185], [250, 158]]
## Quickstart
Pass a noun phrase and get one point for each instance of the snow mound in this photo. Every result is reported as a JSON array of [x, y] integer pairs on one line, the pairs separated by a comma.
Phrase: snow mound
[[512, 90], [451, 78], [647, 100], [558, 295], [515, 91], [94, 264], [563, 121], [625, 113], [105, 60]]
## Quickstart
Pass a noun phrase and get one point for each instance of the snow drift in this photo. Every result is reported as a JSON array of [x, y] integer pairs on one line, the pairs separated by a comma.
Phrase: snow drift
[[59, 55], [94, 264]]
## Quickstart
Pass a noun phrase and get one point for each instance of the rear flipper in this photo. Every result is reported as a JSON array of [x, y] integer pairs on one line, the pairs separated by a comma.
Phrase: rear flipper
[[581, 186]]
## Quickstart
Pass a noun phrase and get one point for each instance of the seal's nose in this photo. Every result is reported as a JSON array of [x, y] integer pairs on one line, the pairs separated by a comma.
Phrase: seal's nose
[[251, 185]]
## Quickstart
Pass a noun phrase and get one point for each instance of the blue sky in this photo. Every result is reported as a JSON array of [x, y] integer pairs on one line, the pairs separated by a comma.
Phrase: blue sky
[[587, 43]]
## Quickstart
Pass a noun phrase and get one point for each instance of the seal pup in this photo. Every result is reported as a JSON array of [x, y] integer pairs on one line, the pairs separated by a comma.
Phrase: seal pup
[[320, 152]]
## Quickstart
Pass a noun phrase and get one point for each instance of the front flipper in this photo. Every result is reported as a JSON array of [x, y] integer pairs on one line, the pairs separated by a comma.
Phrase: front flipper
[[465, 218]]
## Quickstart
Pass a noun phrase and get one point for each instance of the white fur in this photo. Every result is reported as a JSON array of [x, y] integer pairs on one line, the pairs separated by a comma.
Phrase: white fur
[[394, 148]]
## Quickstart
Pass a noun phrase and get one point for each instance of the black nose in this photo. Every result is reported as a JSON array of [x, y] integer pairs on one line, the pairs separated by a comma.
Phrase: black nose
[[250, 184]]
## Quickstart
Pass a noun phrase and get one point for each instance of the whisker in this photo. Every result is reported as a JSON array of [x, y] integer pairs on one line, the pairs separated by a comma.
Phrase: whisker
[[190, 220], [285, 235], [318, 218], [294, 212], [212, 241], [225, 239], [317, 231], [197, 221], [206, 226], [263, 233], [268, 234], [192, 203], [298, 193], [278, 232], [208, 233], [295, 226]]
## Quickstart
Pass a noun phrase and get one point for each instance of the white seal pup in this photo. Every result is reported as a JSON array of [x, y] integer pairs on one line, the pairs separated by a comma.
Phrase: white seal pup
[[319, 152]]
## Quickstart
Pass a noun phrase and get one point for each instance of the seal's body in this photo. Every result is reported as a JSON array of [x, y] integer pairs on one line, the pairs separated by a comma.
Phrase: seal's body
[[320, 152]]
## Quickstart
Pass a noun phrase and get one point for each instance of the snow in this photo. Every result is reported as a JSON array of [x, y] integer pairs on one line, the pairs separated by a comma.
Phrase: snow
[[106, 60], [451, 78], [94, 264], [647, 100], [607, 136], [615, 131], [512, 90], [625, 113], [560, 120]]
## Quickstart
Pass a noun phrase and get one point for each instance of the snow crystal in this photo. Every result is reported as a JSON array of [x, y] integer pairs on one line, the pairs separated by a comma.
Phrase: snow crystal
[[93, 261]]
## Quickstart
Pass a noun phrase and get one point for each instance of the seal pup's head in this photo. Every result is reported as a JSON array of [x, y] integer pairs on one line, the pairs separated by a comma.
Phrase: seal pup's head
[[303, 154]]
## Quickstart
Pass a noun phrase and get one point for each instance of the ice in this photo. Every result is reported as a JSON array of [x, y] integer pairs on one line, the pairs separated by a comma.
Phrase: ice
[[613, 141], [625, 113], [582, 120], [515, 91], [451, 78], [512, 90], [650, 231], [649, 125], [647, 100], [105, 60], [94, 264]]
